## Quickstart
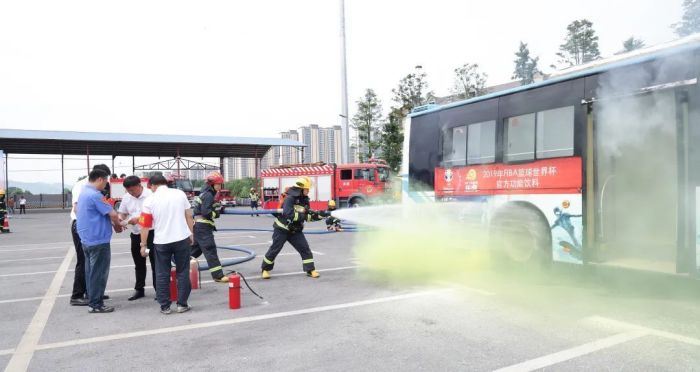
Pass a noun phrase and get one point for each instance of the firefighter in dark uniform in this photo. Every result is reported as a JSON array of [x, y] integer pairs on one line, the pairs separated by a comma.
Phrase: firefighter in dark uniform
[[3, 210], [289, 226], [206, 209], [332, 223]]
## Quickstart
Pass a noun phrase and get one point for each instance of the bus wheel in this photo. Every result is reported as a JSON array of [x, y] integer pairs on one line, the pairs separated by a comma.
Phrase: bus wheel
[[520, 234], [356, 202]]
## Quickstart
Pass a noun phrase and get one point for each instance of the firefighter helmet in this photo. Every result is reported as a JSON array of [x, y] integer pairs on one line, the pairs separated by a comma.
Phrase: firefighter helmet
[[331, 204], [2, 192], [215, 178], [303, 182]]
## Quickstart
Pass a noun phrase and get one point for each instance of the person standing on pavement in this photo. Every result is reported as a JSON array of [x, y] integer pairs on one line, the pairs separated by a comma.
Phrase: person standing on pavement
[[206, 210], [3, 208], [78, 296], [11, 205], [289, 226], [167, 212], [129, 213], [254, 200], [22, 205], [94, 217]]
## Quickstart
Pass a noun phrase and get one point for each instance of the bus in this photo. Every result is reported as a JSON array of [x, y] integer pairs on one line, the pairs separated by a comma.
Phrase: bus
[[598, 164]]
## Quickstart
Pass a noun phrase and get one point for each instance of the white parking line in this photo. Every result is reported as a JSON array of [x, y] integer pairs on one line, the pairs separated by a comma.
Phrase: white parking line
[[26, 299], [607, 322], [50, 258], [27, 345], [219, 323], [574, 352]]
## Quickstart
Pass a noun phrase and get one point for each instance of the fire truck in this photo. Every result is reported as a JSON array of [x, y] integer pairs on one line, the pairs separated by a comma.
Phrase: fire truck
[[350, 185]]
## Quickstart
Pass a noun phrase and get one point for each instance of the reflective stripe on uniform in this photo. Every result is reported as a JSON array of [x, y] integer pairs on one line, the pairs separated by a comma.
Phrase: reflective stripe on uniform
[[310, 260], [280, 224], [204, 220], [197, 200], [268, 261], [216, 268], [296, 216]]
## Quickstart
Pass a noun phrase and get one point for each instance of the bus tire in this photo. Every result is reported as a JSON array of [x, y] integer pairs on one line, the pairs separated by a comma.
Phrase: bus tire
[[520, 235]]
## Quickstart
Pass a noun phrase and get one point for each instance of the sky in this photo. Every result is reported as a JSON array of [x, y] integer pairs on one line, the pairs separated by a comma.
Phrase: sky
[[257, 68]]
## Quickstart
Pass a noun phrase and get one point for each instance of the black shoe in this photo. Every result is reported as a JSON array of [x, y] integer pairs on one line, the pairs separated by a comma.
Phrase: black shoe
[[105, 297], [79, 301], [102, 309], [165, 310], [137, 294]]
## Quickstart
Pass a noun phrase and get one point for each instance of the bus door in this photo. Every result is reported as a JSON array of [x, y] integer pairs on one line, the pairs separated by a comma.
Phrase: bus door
[[637, 169]]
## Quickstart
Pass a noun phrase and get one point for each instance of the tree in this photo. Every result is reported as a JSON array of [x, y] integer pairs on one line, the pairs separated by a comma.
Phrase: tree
[[469, 82], [525, 66], [240, 188], [581, 44], [690, 23], [366, 122], [392, 139], [632, 44], [412, 91]]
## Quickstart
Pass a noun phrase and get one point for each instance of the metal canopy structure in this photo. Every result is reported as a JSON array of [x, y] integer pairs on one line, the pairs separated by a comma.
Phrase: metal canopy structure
[[177, 164], [18, 141]]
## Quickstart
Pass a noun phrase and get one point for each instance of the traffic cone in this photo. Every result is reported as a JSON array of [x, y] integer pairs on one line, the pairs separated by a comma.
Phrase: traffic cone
[[6, 225]]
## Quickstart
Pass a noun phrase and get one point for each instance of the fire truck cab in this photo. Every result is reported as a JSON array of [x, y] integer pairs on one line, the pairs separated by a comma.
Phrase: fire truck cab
[[350, 185]]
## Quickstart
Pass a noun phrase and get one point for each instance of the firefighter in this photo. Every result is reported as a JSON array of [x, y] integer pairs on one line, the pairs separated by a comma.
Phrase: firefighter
[[3, 209], [254, 200], [332, 223], [206, 209], [289, 226]]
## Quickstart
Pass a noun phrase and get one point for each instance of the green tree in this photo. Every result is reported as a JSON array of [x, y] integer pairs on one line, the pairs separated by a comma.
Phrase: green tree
[[240, 188], [11, 191], [469, 82], [412, 91], [690, 23], [632, 44], [581, 44], [366, 122], [392, 139], [525, 66]]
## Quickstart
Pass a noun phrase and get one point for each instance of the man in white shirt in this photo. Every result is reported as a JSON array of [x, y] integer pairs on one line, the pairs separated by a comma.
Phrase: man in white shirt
[[78, 297], [169, 214], [129, 213]]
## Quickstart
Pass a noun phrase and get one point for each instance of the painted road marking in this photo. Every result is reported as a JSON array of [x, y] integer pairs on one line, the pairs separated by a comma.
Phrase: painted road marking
[[27, 345], [574, 352], [50, 258], [26, 299], [219, 323], [607, 322]]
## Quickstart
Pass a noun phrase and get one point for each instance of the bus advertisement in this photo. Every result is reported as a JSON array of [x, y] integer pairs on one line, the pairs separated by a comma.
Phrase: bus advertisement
[[596, 165]]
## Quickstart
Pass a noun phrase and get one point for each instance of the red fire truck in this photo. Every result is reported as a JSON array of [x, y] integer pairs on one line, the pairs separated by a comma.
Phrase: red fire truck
[[350, 185]]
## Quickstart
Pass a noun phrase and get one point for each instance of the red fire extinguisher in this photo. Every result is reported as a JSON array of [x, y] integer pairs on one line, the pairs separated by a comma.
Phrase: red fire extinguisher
[[194, 273], [173, 285], [234, 291]]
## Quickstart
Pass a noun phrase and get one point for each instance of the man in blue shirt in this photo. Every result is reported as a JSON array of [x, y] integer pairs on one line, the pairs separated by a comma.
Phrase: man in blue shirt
[[95, 220]]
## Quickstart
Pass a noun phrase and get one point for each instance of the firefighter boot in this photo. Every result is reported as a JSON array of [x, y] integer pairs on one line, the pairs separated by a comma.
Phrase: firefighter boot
[[313, 274], [223, 279], [265, 274]]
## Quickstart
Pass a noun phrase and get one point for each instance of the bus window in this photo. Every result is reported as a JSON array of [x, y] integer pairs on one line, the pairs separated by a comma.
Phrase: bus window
[[454, 146], [520, 138], [346, 174], [555, 133], [364, 174], [481, 146]]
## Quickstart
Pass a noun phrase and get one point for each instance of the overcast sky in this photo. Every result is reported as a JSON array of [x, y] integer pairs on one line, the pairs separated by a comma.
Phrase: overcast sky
[[256, 68]]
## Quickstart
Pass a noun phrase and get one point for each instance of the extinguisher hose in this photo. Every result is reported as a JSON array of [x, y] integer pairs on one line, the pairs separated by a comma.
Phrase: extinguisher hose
[[246, 283]]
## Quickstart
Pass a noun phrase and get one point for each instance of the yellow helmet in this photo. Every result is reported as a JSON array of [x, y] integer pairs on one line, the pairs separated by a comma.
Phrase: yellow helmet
[[303, 182], [2, 192], [331, 204]]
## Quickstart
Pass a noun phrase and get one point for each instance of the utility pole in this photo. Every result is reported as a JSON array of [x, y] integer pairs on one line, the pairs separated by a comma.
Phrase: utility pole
[[345, 133]]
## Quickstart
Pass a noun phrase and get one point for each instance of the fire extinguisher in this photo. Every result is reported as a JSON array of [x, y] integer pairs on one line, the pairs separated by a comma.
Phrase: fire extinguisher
[[195, 280], [173, 284], [234, 291]]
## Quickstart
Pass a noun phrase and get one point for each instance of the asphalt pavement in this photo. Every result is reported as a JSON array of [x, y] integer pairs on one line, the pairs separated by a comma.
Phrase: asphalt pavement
[[347, 320]]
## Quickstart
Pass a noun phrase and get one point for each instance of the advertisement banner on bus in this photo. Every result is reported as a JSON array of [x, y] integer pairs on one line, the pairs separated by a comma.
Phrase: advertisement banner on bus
[[551, 176]]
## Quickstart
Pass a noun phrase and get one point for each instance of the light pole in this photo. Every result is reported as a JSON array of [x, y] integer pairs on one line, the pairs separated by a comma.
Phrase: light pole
[[345, 133]]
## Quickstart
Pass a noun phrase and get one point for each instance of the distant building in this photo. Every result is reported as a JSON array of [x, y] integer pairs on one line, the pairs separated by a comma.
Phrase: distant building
[[237, 168]]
